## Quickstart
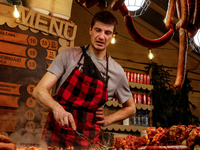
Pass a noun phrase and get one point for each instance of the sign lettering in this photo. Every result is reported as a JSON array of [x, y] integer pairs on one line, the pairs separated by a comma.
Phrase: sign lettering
[[9, 88], [13, 37], [50, 55], [48, 24], [14, 61]]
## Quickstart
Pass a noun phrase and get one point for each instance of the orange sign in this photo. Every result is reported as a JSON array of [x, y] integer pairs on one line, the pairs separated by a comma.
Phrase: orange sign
[[30, 102], [30, 126], [44, 43], [29, 115], [30, 89], [32, 41], [9, 88], [13, 37], [44, 116], [31, 64], [43, 126], [53, 45], [51, 55], [9, 101], [32, 53], [7, 125], [13, 49], [8, 120], [14, 61]]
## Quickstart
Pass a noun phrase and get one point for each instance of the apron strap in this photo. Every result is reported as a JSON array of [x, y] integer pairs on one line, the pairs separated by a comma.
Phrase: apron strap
[[90, 63]]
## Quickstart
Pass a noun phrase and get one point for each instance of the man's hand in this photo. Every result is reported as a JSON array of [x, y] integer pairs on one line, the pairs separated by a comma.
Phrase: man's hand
[[64, 118], [101, 119]]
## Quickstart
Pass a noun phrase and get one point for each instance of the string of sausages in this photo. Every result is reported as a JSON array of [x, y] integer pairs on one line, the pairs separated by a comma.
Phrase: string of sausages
[[188, 12]]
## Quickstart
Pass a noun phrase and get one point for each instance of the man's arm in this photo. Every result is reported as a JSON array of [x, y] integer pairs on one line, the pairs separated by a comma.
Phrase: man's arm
[[128, 110], [42, 96]]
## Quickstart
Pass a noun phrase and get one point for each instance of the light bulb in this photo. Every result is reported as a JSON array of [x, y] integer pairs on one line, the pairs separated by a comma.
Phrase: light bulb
[[197, 38], [150, 55], [164, 20], [134, 5], [113, 39], [16, 12]]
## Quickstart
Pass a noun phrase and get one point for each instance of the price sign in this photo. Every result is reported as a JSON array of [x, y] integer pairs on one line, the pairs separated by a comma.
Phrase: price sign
[[32, 41], [30, 102], [44, 43], [32, 53], [30, 126], [30, 89], [29, 115], [31, 64]]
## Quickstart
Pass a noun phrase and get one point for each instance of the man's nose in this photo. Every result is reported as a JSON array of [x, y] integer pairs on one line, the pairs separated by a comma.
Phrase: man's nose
[[101, 35]]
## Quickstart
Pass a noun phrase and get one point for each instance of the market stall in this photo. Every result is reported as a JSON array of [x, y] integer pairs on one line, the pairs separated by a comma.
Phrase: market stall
[[30, 43]]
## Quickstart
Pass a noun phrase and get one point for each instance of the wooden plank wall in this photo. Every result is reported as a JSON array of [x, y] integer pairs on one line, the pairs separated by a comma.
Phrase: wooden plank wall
[[125, 48]]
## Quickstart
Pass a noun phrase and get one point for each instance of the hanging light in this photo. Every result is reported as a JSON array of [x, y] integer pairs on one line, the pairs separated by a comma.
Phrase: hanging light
[[16, 12], [197, 38], [134, 5], [113, 40], [195, 42], [150, 55], [137, 7]]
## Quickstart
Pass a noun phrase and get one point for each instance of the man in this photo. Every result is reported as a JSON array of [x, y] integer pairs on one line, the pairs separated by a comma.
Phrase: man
[[88, 78]]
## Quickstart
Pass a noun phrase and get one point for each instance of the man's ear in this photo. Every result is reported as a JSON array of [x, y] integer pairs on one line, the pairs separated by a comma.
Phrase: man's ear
[[90, 30]]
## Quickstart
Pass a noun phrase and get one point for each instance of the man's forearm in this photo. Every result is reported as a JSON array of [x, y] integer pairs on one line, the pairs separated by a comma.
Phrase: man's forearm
[[42, 96], [120, 115]]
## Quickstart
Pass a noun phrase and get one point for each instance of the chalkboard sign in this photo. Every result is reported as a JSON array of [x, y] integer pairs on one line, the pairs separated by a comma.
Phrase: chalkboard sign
[[27, 47], [24, 58]]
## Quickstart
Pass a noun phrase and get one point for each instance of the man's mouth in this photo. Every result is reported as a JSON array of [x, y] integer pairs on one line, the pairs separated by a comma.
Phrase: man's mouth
[[99, 42]]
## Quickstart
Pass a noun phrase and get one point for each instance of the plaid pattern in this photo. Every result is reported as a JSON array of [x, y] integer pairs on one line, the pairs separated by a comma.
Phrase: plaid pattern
[[81, 95]]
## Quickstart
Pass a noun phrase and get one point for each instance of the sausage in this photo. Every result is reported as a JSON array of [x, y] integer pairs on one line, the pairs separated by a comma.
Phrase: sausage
[[144, 41], [90, 3], [5, 139], [192, 8], [7, 146], [170, 14], [178, 8], [184, 15], [102, 4], [116, 4], [191, 28], [182, 59], [123, 10], [197, 21]]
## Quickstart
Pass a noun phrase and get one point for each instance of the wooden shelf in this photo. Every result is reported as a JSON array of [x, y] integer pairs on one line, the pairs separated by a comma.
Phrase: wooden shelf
[[141, 86], [138, 106], [123, 128]]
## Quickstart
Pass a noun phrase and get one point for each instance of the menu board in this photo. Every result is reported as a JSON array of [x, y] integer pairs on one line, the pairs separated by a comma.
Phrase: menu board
[[24, 58]]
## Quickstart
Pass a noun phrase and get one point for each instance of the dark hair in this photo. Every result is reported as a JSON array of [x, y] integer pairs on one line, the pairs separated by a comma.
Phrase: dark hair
[[104, 17]]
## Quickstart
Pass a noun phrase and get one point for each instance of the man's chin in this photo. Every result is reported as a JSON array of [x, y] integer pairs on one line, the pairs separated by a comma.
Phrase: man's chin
[[98, 47]]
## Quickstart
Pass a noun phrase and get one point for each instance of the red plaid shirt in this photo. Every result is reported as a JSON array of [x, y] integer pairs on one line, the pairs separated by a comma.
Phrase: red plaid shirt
[[81, 94]]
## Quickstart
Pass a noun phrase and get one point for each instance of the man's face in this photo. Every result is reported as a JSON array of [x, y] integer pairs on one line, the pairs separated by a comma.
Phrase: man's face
[[101, 35]]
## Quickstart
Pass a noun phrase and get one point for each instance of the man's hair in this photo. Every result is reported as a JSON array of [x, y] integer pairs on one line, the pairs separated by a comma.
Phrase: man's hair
[[104, 17]]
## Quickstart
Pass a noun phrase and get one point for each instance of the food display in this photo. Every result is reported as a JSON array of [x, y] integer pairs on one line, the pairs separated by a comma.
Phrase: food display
[[6, 143], [176, 137]]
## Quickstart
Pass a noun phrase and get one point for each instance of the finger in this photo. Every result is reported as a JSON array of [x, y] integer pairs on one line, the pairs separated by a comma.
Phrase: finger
[[72, 122], [100, 122], [61, 122], [66, 122], [99, 113], [100, 109], [99, 116]]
